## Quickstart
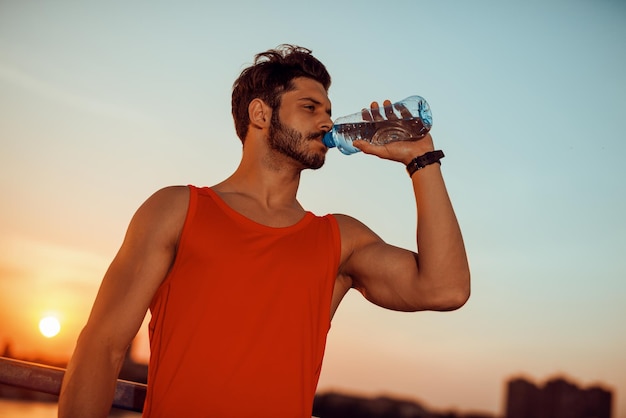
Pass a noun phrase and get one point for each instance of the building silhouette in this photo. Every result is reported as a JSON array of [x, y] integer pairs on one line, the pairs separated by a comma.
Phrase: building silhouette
[[557, 398], [338, 405]]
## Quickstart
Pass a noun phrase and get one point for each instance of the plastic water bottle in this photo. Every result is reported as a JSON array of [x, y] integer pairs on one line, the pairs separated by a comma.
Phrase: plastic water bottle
[[412, 121]]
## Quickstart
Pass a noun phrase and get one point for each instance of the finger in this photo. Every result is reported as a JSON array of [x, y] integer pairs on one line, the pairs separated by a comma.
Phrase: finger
[[406, 113], [389, 113], [367, 148], [366, 115], [363, 145], [376, 111]]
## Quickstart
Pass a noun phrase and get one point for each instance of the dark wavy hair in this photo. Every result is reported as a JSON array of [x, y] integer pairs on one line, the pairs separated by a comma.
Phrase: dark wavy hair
[[269, 77]]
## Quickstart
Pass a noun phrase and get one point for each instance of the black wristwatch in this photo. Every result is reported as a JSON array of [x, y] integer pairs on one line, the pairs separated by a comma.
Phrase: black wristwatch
[[422, 161]]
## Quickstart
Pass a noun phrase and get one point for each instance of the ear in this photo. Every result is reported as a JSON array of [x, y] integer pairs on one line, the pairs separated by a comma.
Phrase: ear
[[260, 114]]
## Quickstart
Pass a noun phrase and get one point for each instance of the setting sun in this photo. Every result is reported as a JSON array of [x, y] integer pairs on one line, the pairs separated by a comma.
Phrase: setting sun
[[49, 326]]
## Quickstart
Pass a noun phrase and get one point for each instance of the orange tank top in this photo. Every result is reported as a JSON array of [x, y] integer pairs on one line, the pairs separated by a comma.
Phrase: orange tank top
[[239, 325]]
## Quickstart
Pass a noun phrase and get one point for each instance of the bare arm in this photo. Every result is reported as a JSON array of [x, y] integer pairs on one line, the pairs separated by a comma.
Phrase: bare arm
[[435, 279], [437, 276], [125, 294]]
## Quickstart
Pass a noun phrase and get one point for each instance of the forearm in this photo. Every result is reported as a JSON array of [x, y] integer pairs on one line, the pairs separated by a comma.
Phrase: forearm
[[89, 382], [443, 265]]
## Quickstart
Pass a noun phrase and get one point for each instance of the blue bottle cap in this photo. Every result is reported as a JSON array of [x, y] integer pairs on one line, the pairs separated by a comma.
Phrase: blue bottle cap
[[328, 140]]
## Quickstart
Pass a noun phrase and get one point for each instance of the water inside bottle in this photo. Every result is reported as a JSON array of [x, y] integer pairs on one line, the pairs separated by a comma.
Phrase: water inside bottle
[[383, 132]]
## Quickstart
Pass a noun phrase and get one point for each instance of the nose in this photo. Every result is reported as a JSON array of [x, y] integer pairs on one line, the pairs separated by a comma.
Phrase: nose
[[327, 123]]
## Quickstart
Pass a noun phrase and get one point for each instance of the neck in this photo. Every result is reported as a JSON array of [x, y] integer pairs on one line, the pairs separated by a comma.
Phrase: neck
[[265, 176]]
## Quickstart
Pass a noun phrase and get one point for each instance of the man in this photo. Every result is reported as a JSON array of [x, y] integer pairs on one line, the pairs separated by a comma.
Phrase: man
[[242, 282]]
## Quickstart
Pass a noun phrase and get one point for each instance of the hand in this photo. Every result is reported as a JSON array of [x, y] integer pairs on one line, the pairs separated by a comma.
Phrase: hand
[[403, 151]]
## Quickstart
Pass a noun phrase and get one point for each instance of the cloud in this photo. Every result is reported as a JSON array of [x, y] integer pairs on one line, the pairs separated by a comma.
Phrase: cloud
[[61, 95]]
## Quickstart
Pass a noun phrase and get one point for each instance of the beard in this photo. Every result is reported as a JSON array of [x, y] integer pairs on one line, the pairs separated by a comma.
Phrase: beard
[[292, 144]]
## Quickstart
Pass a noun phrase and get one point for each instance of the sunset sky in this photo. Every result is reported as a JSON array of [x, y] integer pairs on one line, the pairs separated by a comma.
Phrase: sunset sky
[[103, 103]]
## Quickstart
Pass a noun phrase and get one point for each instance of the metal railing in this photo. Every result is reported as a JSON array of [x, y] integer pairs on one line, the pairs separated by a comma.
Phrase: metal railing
[[47, 379]]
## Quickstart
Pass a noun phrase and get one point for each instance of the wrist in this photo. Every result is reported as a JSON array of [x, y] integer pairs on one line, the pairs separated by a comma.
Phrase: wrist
[[417, 148], [424, 160]]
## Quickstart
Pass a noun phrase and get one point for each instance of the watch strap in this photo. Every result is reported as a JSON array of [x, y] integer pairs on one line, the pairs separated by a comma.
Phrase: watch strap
[[422, 161]]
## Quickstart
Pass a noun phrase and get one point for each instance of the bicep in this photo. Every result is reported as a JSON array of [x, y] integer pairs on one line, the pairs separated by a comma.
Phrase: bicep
[[137, 271], [124, 297], [393, 277], [386, 275]]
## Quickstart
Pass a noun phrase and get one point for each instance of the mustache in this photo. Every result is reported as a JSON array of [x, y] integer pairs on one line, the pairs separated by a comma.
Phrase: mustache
[[316, 135]]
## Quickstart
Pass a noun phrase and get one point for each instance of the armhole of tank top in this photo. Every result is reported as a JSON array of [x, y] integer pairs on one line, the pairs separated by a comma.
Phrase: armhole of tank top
[[335, 257], [336, 235], [191, 211]]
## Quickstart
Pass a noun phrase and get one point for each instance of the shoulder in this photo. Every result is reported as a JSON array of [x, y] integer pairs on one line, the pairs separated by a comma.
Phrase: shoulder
[[355, 235], [172, 193], [169, 197], [167, 201], [352, 228], [163, 212]]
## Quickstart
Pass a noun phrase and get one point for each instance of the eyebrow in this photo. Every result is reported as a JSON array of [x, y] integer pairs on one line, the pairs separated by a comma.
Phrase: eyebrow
[[316, 102]]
